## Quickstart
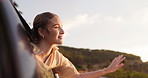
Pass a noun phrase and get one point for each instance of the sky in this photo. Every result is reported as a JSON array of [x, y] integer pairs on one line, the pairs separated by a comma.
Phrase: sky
[[119, 25]]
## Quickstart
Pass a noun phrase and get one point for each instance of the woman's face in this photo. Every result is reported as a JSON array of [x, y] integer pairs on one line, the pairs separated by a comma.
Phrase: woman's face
[[53, 34]]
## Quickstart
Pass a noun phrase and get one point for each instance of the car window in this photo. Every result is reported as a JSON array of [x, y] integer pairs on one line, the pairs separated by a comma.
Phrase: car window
[[16, 57]]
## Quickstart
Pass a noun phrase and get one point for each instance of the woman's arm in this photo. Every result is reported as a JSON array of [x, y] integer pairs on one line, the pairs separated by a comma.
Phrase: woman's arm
[[115, 65]]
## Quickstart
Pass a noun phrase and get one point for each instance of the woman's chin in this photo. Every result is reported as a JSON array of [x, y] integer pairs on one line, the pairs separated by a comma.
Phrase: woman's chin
[[60, 43]]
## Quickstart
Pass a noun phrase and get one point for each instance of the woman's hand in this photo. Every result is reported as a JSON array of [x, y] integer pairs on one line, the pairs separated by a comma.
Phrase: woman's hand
[[116, 64]]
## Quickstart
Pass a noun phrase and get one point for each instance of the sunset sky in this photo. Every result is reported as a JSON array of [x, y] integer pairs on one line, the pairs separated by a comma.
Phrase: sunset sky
[[119, 25]]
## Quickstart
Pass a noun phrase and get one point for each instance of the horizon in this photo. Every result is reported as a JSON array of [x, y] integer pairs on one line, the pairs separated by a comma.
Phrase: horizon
[[103, 49], [110, 24]]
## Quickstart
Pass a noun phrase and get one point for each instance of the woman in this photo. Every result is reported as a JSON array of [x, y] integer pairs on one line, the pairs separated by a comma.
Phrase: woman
[[48, 33]]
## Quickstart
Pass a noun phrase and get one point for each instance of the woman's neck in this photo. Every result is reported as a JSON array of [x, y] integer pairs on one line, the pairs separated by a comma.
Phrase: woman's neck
[[46, 48]]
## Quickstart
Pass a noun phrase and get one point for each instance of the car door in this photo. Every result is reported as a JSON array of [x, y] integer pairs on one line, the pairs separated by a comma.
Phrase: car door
[[16, 57]]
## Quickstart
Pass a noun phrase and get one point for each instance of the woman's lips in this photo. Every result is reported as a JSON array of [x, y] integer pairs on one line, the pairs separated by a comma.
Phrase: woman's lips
[[60, 37]]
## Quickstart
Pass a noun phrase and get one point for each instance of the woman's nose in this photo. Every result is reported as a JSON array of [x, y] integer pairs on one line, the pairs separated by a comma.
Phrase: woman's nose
[[61, 31]]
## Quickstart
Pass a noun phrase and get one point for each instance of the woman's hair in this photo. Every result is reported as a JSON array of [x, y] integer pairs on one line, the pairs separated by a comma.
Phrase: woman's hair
[[40, 21]]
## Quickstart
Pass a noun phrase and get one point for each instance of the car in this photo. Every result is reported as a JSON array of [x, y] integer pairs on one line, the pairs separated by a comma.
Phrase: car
[[16, 56]]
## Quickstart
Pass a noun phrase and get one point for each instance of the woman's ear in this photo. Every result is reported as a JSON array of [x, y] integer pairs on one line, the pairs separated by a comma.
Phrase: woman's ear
[[41, 32]]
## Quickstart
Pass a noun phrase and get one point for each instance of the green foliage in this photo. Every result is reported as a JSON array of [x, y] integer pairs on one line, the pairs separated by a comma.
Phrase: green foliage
[[121, 73], [86, 59]]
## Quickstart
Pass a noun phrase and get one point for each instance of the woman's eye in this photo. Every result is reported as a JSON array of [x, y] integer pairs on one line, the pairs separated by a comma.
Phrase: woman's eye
[[56, 27]]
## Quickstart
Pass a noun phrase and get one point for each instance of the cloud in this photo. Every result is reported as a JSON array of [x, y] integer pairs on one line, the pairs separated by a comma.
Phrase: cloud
[[86, 19], [130, 19]]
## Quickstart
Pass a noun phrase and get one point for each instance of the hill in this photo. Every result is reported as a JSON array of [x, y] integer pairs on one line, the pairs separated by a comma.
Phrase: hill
[[88, 60]]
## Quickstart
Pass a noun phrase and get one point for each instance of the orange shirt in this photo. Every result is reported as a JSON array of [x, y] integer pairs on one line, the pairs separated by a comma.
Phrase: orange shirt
[[60, 64]]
